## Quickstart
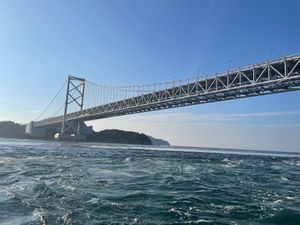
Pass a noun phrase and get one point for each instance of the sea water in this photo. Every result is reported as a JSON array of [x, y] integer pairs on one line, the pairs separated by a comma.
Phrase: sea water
[[49, 183]]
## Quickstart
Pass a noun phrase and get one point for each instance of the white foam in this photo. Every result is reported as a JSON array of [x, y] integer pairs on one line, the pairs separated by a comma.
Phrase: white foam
[[93, 200], [194, 149], [67, 218], [284, 178], [39, 213]]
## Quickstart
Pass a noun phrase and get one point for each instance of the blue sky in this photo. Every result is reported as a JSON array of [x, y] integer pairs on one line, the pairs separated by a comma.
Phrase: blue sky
[[138, 42]]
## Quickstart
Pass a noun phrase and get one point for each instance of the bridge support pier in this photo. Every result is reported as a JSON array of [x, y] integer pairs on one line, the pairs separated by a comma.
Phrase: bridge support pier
[[38, 132], [71, 137], [75, 131], [70, 134]]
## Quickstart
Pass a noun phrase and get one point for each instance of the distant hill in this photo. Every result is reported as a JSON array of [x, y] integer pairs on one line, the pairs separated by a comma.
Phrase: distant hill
[[9, 129], [120, 137], [156, 141]]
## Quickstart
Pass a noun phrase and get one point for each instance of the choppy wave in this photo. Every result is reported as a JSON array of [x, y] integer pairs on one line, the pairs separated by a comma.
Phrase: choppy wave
[[45, 183]]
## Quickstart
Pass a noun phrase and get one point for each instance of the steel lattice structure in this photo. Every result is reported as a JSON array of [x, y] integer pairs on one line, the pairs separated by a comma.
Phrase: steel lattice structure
[[271, 77], [74, 94]]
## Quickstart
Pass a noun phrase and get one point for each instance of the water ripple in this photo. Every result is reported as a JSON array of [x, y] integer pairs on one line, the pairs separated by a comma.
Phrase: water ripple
[[43, 183]]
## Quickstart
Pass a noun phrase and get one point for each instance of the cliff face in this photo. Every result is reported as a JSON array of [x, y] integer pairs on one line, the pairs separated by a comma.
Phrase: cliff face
[[9, 129], [157, 141], [120, 137]]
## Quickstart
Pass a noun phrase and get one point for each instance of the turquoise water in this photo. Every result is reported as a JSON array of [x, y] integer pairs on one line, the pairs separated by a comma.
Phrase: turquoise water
[[68, 183]]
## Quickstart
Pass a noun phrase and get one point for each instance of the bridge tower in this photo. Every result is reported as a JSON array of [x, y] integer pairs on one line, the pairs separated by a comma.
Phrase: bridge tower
[[71, 130]]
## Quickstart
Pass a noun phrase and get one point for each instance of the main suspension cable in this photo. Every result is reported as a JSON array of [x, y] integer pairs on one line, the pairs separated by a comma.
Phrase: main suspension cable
[[51, 101]]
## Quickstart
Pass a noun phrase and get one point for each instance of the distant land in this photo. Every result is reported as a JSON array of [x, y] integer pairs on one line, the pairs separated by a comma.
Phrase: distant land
[[119, 137], [156, 141], [10, 129]]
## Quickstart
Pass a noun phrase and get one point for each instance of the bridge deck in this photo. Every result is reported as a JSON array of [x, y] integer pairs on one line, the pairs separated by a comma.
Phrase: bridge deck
[[267, 78]]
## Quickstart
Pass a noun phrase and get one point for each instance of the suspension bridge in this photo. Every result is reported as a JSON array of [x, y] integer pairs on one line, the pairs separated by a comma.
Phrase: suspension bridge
[[84, 100]]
